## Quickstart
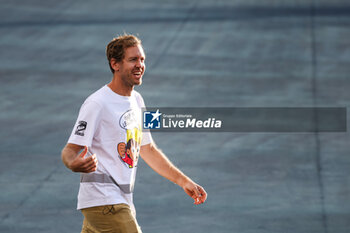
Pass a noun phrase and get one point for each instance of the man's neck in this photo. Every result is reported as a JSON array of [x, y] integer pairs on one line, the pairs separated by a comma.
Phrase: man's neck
[[119, 87]]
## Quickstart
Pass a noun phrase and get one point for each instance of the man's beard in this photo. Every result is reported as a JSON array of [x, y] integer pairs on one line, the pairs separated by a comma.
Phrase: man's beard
[[128, 80]]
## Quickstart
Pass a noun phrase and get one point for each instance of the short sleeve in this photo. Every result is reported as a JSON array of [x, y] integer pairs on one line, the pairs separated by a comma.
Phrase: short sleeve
[[86, 124], [146, 136]]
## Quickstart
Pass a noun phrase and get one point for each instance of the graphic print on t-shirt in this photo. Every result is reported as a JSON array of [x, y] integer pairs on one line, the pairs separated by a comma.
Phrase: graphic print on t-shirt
[[81, 128], [129, 150]]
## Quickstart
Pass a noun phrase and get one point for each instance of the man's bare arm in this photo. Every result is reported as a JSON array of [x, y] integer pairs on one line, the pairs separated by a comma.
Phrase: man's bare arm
[[161, 164], [77, 162]]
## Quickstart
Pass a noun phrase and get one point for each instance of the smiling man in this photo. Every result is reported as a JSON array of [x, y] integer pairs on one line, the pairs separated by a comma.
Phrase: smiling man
[[106, 143]]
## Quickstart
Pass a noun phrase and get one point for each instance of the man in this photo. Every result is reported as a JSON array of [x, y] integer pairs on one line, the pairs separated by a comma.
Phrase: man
[[108, 130]]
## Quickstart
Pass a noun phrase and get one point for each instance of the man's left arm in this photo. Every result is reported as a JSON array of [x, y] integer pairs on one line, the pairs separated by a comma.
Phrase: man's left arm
[[155, 158]]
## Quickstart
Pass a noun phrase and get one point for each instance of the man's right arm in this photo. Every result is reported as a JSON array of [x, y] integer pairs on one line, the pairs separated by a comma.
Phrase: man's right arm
[[77, 162]]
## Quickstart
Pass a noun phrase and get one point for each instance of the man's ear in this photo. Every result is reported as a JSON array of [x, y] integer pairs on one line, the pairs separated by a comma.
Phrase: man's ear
[[114, 64]]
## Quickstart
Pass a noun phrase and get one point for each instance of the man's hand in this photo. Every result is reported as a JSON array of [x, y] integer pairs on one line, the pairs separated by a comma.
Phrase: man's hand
[[82, 164], [78, 162], [161, 164], [195, 191]]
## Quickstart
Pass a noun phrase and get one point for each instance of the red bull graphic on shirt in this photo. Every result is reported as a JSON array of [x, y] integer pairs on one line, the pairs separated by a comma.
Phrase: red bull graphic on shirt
[[129, 151]]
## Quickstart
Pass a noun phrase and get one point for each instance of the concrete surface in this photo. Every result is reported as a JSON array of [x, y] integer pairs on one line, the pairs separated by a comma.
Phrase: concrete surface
[[199, 53]]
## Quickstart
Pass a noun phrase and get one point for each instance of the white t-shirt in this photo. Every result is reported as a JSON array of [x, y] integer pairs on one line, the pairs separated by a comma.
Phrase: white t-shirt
[[110, 125]]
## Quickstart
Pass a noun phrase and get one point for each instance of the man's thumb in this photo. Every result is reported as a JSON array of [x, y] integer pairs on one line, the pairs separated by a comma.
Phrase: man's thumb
[[196, 193], [83, 153]]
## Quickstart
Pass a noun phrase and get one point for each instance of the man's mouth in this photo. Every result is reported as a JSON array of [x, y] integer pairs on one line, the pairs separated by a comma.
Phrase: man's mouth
[[137, 74]]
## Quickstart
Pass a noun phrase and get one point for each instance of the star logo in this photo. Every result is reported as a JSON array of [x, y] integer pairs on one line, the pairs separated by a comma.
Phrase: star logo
[[152, 120], [156, 115]]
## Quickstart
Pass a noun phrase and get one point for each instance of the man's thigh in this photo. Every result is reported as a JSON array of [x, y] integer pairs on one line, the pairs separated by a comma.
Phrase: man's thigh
[[110, 218]]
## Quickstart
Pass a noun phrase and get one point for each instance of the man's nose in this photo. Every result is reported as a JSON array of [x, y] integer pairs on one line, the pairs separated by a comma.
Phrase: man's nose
[[139, 63]]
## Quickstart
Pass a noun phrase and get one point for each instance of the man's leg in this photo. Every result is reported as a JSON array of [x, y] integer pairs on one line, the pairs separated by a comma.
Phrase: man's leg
[[111, 218]]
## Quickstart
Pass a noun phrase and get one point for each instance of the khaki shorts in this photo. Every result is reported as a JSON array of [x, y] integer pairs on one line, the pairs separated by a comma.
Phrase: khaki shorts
[[110, 218]]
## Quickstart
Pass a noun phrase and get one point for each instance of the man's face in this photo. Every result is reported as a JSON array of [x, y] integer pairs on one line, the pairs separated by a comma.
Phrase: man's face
[[132, 67]]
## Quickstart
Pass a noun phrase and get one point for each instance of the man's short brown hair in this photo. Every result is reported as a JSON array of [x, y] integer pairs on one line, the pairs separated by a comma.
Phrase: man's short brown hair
[[116, 48]]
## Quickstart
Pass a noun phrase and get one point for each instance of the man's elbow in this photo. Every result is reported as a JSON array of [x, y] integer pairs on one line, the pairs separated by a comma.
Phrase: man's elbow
[[64, 155]]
